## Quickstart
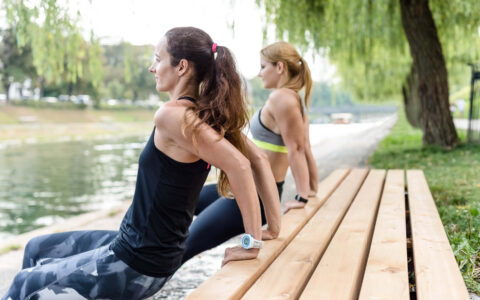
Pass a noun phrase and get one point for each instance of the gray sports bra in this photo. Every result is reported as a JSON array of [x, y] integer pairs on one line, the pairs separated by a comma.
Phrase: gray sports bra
[[263, 137]]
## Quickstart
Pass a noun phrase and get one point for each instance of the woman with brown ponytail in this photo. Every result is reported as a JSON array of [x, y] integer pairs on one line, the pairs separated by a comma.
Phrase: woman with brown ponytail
[[280, 130], [198, 127]]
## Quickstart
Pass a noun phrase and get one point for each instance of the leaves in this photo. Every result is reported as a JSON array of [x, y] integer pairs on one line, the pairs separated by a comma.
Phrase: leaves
[[58, 49], [365, 38]]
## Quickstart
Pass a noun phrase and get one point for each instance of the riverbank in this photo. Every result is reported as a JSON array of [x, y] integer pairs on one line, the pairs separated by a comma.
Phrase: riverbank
[[334, 146], [20, 124]]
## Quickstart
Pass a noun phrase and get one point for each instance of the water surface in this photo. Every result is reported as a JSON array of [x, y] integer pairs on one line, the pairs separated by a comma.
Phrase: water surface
[[41, 184]]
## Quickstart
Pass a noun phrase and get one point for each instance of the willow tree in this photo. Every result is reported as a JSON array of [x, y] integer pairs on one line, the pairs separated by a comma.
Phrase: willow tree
[[382, 48], [54, 37]]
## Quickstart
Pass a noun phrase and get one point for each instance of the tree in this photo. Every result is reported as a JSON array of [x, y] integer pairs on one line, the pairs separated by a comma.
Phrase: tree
[[378, 44], [15, 64], [126, 68], [54, 37]]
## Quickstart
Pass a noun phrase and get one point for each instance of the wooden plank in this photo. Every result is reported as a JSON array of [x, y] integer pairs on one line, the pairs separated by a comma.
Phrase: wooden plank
[[386, 274], [340, 271], [286, 277], [234, 279], [436, 272]]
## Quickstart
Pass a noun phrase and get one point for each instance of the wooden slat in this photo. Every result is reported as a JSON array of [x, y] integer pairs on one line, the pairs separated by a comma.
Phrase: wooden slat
[[340, 271], [287, 275], [436, 271], [234, 279], [386, 274]]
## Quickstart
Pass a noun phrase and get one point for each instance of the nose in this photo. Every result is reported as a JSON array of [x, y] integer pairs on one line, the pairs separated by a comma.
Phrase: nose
[[151, 69]]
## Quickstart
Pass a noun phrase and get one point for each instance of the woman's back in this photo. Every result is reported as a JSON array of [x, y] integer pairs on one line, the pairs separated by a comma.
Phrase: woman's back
[[282, 111]]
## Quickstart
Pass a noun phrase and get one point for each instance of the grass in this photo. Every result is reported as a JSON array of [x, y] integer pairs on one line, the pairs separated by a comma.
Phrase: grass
[[454, 180], [9, 248]]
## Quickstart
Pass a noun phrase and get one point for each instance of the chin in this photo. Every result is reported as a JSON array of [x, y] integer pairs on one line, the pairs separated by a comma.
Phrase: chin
[[160, 88]]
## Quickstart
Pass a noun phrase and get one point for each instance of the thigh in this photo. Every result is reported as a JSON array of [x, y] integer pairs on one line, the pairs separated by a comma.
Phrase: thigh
[[216, 224], [208, 195], [59, 245], [95, 274]]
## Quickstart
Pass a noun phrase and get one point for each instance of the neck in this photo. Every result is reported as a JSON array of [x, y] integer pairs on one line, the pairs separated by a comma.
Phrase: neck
[[283, 80], [183, 90]]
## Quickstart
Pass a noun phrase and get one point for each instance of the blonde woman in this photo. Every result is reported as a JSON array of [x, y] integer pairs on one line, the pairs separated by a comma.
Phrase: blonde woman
[[280, 130]]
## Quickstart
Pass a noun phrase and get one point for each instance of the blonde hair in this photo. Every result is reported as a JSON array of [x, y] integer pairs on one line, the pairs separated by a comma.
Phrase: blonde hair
[[296, 67]]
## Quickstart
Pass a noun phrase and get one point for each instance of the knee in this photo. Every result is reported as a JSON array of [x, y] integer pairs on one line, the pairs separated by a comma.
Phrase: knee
[[31, 252]]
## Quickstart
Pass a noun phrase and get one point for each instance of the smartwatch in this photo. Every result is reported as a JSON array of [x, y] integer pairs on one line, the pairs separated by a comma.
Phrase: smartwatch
[[248, 242], [301, 199]]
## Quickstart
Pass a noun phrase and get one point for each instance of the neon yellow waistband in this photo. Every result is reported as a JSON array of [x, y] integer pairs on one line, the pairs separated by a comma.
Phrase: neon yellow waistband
[[270, 147]]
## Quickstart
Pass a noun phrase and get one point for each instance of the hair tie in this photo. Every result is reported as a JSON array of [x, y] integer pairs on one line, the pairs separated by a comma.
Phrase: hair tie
[[214, 47]]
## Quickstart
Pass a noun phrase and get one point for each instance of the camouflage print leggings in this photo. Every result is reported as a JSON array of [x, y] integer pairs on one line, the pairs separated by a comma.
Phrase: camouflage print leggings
[[78, 265]]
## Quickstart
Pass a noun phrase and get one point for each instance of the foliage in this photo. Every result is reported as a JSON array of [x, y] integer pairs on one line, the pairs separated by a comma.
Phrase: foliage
[[453, 177], [53, 35], [126, 71], [366, 41], [15, 64], [323, 94]]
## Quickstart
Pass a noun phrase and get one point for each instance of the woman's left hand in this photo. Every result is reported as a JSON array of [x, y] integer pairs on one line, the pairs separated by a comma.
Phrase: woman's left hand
[[239, 253]]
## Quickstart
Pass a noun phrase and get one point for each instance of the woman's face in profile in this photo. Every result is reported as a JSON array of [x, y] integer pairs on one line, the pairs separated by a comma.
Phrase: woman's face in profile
[[165, 76], [269, 74]]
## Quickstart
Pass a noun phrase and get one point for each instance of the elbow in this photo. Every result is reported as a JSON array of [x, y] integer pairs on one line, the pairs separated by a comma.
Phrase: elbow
[[241, 164], [259, 158], [298, 149]]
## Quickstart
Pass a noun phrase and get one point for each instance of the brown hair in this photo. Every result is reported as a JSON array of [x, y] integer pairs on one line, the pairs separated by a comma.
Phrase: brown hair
[[221, 101], [296, 67]]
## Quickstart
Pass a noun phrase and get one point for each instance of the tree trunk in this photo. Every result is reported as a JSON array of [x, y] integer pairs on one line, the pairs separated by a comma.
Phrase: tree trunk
[[6, 88], [426, 50], [411, 99]]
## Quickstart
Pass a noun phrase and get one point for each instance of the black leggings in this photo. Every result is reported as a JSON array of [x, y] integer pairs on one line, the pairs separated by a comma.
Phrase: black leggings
[[218, 220]]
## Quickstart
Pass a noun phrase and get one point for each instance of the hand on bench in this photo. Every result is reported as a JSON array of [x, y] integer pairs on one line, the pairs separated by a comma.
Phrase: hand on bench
[[239, 253], [292, 204]]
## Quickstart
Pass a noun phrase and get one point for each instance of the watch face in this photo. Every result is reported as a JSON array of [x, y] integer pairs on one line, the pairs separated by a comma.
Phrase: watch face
[[246, 241]]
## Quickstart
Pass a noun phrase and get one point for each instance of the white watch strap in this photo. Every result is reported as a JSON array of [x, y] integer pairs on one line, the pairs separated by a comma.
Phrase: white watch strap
[[257, 243]]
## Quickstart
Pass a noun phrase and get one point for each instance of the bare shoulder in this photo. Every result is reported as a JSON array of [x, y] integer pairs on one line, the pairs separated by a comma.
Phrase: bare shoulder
[[170, 114], [284, 99]]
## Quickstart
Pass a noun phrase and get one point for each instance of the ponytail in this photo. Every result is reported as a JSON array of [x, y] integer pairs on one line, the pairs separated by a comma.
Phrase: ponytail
[[307, 81], [227, 106], [221, 99]]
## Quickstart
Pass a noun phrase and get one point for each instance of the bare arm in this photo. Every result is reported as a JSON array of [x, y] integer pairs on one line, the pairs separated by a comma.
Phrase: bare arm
[[289, 120], [312, 164], [219, 152], [266, 188]]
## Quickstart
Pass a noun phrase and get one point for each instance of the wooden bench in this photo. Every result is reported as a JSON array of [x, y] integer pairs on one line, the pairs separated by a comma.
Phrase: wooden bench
[[351, 242]]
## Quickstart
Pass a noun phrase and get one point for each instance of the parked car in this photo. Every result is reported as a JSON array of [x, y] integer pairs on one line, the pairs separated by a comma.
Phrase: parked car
[[83, 99], [50, 99]]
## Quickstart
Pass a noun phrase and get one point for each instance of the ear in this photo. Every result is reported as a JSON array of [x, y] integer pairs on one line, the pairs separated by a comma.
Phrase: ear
[[280, 67], [182, 67]]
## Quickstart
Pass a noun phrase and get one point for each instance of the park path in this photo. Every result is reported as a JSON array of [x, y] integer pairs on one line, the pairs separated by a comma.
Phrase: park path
[[334, 146]]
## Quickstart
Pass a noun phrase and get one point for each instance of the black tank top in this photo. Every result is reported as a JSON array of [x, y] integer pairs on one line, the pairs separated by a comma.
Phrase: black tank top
[[153, 232]]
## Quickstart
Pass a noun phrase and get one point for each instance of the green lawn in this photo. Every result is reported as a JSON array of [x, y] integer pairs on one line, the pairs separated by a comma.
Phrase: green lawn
[[454, 179]]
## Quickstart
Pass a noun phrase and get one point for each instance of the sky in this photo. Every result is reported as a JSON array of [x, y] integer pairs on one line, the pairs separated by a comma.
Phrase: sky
[[144, 22]]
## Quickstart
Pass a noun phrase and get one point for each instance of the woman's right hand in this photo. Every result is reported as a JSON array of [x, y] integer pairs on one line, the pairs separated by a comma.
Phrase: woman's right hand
[[268, 234], [239, 253], [293, 204]]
